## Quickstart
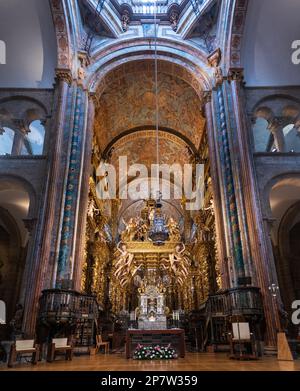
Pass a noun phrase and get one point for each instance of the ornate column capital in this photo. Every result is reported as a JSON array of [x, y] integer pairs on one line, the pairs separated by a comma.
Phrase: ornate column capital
[[276, 123], [63, 74], [214, 58], [21, 125], [236, 74]]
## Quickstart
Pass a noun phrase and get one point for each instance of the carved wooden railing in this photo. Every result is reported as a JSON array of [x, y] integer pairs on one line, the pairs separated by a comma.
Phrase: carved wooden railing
[[243, 302], [59, 306], [235, 301]]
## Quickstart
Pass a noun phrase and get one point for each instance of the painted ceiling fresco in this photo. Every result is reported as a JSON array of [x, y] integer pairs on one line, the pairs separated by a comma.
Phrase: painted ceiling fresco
[[140, 147], [129, 102]]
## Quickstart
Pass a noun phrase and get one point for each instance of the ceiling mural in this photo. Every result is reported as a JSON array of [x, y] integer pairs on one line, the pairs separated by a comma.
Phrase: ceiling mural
[[129, 102], [172, 149]]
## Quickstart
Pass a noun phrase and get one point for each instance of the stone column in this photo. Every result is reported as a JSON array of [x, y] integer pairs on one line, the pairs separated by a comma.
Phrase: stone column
[[19, 137], [226, 158], [276, 128], [218, 205], [70, 209], [253, 227], [79, 238], [43, 238]]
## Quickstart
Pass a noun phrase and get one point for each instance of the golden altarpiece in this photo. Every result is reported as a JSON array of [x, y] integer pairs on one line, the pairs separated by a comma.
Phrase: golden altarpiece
[[150, 284]]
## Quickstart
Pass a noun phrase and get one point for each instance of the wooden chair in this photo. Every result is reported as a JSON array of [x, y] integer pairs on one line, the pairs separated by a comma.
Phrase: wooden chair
[[60, 345], [100, 343], [242, 337], [20, 347]]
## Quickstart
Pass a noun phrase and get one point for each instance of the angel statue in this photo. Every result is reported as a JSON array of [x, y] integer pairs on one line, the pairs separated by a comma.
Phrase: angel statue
[[174, 233], [124, 265], [91, 208], [130, 231], [178, 263]]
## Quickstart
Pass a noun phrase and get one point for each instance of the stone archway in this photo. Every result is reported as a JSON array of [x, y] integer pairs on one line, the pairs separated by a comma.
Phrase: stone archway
[[289, 255], [14, 212]]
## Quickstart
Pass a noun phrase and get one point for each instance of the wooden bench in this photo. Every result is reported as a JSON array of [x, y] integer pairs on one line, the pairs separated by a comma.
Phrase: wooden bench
[[23, 346], [59, 345]]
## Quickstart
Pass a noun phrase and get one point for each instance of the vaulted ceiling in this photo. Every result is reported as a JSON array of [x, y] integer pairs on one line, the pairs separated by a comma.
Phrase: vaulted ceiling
[[129, 102], [126, 118]]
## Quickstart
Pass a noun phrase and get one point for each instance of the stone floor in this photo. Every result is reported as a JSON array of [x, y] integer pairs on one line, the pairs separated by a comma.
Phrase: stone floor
[[192, 362]]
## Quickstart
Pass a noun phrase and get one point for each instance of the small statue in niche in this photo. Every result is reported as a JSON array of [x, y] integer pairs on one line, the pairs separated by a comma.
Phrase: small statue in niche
[[174, 16], [203, 231], [125, 19]]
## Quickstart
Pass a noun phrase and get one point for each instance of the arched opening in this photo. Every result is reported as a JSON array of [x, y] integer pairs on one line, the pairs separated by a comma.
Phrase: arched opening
[[122, 263], [33, 143], [285, 207], [263, 139], [14, 209], [6, 141], [276, 127]]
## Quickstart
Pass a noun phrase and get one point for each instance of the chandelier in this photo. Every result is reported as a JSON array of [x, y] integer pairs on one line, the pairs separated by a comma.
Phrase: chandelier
[[159, 232]]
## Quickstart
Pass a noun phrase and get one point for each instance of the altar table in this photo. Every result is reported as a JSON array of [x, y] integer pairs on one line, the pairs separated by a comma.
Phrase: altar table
[[175, 337]]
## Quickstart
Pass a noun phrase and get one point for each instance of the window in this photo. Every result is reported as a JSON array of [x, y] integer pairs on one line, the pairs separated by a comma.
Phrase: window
[[6, 141], [34, 140], [291, 138], [263, 139]]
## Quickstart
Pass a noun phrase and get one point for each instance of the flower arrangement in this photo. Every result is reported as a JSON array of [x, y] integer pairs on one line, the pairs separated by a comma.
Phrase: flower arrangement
[[154, 353]]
